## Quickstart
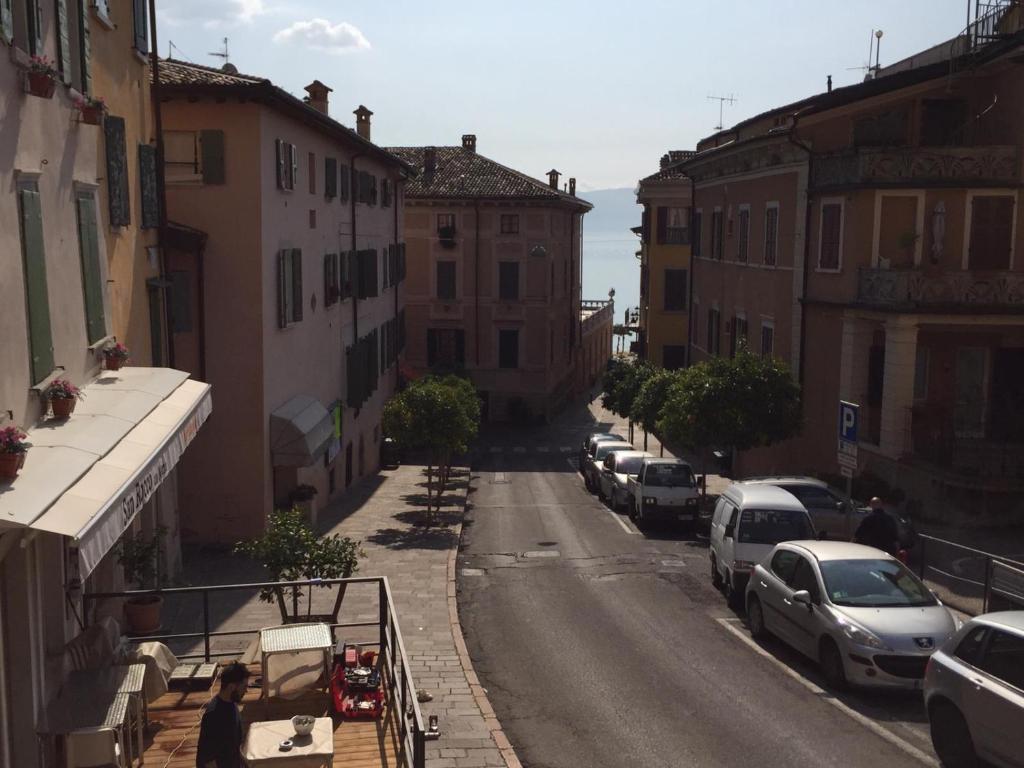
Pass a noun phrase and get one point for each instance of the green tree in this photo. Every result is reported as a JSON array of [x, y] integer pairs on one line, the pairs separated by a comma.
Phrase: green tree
[[439, 415], [647, 405], [622, 382]]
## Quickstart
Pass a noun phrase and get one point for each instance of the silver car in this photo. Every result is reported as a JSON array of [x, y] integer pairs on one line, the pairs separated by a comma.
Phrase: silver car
[[595, 462], [613, 482], [974, 691], [860, 613]]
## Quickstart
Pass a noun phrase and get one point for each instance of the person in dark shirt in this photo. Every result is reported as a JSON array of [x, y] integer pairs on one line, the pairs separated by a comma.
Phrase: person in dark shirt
[[220, 732], [878, 529]]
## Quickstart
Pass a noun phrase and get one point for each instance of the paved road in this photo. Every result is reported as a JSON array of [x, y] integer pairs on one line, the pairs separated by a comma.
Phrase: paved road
[[603, 646]]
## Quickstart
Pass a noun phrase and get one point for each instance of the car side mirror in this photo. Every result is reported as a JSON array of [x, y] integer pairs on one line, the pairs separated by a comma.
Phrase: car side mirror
[[730, 530], [822, 535], [803, 597], [841, 506]]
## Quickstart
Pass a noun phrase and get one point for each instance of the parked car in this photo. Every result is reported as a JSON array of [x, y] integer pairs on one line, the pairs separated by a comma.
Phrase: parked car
[[663, 489], [974, 692], [588, 446], [749, 520], [833, 511], [619, 467], [859, 612], [595, 462]]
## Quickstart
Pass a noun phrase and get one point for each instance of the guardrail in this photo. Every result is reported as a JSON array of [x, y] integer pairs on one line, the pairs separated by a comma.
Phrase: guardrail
[[401, 690], [971, 580]]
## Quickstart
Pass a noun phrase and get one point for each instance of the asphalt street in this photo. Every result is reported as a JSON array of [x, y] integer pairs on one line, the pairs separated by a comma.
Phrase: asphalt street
[[602, 645]]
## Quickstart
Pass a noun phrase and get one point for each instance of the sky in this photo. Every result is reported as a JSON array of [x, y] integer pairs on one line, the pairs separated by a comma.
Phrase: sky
[[597, 89]]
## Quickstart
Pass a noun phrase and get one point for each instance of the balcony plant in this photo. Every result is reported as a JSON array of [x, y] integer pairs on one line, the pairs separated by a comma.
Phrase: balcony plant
[[304, 497], [115, 355], [139, 556], [90, 110], [62, 396], [12, 452], [41, 77]]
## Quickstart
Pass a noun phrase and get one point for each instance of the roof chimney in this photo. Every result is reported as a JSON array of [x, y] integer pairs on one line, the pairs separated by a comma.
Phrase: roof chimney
[[572, 187], [665, 160], [829, 82], [317, 98], [553, 178], [363, 121], [469, 141], [429, 164]]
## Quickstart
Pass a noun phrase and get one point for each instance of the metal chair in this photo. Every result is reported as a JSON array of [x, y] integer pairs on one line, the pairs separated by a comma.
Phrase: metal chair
[[92, 748]]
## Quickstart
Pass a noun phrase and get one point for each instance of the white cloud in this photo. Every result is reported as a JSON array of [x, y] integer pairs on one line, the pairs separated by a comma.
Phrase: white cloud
[[210, 15], [321, 35]]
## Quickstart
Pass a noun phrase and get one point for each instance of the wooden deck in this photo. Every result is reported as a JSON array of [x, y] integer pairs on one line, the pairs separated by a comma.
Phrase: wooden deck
[[174, 727]]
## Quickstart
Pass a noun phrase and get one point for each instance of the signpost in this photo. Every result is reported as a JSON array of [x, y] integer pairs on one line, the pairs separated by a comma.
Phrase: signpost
[[846, 451]]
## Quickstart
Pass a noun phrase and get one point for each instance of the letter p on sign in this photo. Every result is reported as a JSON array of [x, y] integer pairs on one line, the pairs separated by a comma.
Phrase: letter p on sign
[[849, 414]]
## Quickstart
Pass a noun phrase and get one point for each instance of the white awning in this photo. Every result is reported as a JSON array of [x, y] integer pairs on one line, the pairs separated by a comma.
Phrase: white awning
[[301, 431], [88, 477]]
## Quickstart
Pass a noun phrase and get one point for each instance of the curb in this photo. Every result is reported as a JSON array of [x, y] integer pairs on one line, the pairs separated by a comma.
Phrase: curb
[[501, 741]]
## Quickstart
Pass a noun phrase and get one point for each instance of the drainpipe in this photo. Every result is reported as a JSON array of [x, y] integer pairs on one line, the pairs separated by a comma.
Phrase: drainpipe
[[158, 127], [476, 286], [395, 286], [795, 141], [693, 271]]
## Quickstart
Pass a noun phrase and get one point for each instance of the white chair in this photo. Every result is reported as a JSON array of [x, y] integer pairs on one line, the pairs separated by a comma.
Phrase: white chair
[[93, 748]]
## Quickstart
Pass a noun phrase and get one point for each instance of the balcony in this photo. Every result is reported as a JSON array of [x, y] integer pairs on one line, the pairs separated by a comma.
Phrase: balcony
[[594, 314], [968, 291], [937, 166]]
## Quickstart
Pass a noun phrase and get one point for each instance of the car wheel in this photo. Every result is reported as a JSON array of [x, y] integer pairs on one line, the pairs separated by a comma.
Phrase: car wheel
[[951, 737], [831, 662], [716, 577], [755, 619]]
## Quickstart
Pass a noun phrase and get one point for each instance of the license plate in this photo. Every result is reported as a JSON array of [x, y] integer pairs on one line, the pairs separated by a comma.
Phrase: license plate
[[686, 516]]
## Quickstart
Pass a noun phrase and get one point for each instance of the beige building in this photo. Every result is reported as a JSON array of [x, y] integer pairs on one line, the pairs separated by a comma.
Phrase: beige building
[[494, 279], [286, 258], [76, 223]]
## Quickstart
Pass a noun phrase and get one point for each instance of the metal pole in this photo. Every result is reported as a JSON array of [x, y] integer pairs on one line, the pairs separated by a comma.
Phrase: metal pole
[[988, 584], [383, 599], [206, 626], [849, 508], [920, 570]]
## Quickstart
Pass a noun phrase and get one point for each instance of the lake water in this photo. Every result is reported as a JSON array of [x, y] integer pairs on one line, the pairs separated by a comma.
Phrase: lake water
[[609, 262]]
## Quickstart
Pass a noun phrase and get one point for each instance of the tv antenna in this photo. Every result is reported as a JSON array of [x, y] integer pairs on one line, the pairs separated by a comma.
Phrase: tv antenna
[[222, 54], [721, 105], [873, 50]]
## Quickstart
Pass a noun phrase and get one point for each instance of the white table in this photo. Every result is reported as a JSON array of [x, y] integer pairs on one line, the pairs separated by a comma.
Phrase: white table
[[262, 745], [308, 645]]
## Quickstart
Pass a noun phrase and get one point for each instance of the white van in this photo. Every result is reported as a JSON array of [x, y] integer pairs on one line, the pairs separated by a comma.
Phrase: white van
[[749, 520]]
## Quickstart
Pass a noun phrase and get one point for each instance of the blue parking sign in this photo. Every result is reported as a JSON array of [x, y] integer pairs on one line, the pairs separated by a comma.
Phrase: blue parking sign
[[849, 416]]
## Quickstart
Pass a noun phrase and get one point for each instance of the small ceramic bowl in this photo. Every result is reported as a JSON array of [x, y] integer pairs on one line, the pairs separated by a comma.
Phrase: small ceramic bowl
[[303, 724]]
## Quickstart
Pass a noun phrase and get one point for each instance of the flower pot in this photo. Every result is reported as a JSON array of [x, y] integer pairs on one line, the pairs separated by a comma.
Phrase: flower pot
[[41, 84], [62, 406], [142, 614], [92, 115], [113, 362], [10, 463]]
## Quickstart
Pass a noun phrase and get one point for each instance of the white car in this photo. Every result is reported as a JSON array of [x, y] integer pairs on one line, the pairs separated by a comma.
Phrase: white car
[[860, 613], [595, 463], [613, 481], [974, 691]]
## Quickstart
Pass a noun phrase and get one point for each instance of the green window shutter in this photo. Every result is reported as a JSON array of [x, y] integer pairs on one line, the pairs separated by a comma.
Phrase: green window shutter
[[350, 378], [7, 20], [279, 157], [372, 266], [92, 278], [36, 293], [293, 157], [150, 216], [140, 20], [282, 289], [211, 144], [34, 19], [296, 284], [117, 171], [84, 54], [344, 183], [330, 177], [63, 40]]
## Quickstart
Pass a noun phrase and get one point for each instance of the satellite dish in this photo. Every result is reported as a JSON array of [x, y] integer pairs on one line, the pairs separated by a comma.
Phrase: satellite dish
[[229, 69]]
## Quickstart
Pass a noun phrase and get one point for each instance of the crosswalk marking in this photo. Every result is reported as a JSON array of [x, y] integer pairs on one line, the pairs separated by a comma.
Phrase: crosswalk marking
[[542, 449], [518, 450]]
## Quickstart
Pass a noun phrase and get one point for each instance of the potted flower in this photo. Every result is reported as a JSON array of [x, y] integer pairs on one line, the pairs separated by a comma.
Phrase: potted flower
[[12, 452], [115, 355], [139, 556], [90, 110], [62, 396], [41, 77]]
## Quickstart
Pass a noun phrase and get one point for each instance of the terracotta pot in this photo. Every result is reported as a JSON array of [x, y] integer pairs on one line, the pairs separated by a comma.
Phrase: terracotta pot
[[10, 463], [62, 406], [41, 84], [142, 614], [92, 115], [113, 362]]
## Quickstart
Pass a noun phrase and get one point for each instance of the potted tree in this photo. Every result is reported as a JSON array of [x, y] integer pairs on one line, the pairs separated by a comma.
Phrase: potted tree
[[12, 452], [290, 551], [114, 356], [41, 77], [62, 396], [304, 498], [90, 110], [139, 555]]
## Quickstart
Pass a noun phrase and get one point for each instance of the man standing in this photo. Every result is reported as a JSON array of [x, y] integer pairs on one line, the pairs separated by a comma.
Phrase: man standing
[[220, 733], [878, 529]]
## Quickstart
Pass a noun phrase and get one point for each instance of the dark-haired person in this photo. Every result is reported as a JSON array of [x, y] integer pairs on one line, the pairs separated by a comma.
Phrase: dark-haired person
[[220, 733], [878, 529]]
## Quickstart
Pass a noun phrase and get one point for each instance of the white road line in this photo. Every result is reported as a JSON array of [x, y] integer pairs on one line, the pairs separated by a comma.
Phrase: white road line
[[822, 694], [542, 449], [620, 521], [519, 450], [565, 449], [496, 449]]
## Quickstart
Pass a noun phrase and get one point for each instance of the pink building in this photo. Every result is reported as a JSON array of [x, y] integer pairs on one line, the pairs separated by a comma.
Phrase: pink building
[[494, 279], [286, 253]]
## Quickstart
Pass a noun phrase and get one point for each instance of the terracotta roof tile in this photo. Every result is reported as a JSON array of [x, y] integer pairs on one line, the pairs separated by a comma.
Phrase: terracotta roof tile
[[174, 72]]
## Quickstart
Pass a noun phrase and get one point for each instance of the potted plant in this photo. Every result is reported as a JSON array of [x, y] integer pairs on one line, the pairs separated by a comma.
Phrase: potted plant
[[41, 77], [62, 396], [115, 355], [290, 551], [304, 498], [12, 452], [139, 555], [90, 110]]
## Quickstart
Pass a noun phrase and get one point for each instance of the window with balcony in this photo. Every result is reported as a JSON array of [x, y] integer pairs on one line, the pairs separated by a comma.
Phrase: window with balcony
[[883, 129], [943, 123], [672, 225], [446, 280], [771, 234], [991, 240], [446, 229], [508, 280]]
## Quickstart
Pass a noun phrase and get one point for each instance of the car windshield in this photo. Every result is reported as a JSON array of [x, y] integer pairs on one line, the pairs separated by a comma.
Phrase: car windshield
[[669, 476], [603, 449], [770, 526], [873, 584], [604, 438], [629, 465]]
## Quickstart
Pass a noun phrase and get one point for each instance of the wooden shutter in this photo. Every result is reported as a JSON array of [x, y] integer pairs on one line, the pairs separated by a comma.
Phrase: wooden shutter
[[344, 182], [150, 216], [371, 259], [117, 171], [84, 52], [279, 158], [296, 266], [139, 18], [991, 232], [675, 290], [662, 236], [36, 292], [293, 159], [7, 20], [330, 177], [92, 279], [831, 226], [63, 41], [211, 145], [282, 289], [34, 24]]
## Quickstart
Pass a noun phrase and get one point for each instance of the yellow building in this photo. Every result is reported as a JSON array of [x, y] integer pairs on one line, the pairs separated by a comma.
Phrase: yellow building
[[665, 264]]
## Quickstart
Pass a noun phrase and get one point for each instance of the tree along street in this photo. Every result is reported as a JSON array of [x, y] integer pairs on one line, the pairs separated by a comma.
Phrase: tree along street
[[601, 645]]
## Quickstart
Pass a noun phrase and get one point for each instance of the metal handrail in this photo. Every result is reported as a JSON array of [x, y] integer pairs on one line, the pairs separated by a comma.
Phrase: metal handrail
[[991, 561]]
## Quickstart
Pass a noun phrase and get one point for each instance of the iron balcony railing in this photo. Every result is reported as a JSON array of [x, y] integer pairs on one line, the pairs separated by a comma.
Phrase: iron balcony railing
[[896, 166], [958, 290]]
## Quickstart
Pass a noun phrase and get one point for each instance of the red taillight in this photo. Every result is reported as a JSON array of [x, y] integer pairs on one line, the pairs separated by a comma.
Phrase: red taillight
[[902, 555]]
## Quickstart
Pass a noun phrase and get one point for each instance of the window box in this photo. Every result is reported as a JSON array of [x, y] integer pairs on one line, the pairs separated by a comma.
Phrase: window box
[[40, 83]]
